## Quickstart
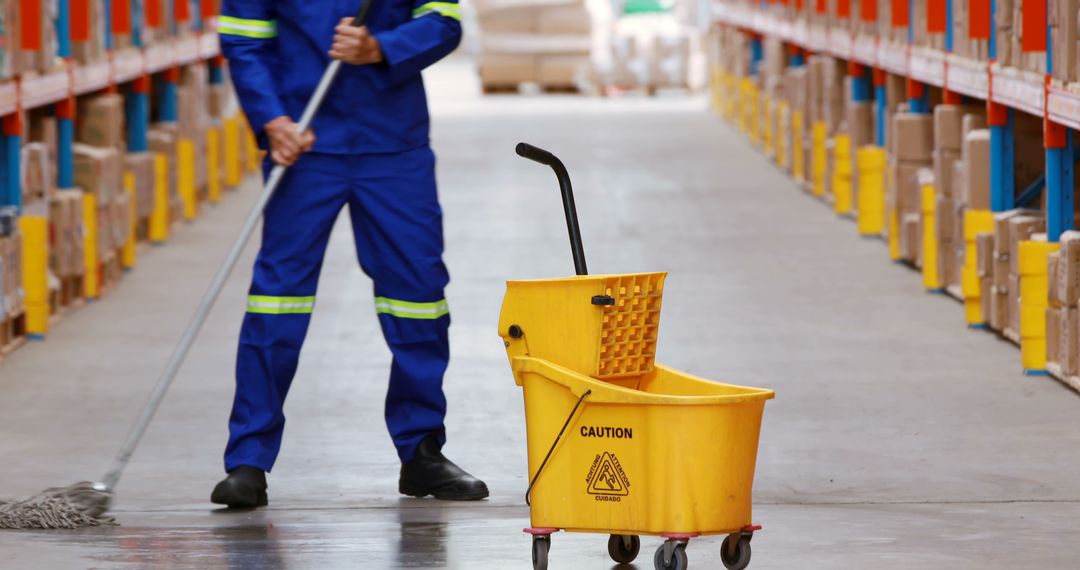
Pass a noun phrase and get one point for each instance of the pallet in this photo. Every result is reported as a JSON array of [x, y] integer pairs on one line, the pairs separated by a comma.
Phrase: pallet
[[12, 333], [1010, 335], [1055, 371], [955, 292], [71, 291], [525, 87]]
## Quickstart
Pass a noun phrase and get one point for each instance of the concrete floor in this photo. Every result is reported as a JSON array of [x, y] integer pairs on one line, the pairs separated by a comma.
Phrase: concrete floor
[[898, 439]]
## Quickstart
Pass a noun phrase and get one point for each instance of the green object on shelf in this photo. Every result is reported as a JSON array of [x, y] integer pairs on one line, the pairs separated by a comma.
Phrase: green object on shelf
[[647, 6]]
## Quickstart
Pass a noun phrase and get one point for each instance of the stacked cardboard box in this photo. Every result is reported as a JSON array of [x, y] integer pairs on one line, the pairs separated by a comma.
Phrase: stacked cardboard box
[[885, 26], [1009, 25], [951, 125], [141, 165], [11, 267], [66, 254], [1064, 295], [1053, 311], [11, 291], [1062, 19], [1010, 228], [1029, 155], [92, 49], [42, 129], [543, 42], [101, 121], [912, 150], [963, 44], [98, 172], [670, 61], [194, 118], [37, 172], [920, 36], [860, 127], [162, 139], [795, 92]]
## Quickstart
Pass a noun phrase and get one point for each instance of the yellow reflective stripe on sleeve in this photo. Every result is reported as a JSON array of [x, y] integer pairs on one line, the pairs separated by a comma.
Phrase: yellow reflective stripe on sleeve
[[267, 305], [259, 29], [407, 310], [448, 9]]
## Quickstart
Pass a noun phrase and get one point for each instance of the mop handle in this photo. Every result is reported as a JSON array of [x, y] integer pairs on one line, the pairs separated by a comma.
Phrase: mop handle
[[535, 154], [192, 331]]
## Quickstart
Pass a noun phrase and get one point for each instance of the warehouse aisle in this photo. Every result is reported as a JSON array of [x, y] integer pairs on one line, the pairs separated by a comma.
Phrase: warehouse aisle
[[898, 439]]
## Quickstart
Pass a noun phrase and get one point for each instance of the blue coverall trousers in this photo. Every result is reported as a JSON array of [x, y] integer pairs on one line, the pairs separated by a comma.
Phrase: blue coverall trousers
[[397, 223]]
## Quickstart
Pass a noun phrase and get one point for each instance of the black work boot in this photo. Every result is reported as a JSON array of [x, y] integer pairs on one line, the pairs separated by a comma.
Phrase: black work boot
[[431, 473], [244, 488]]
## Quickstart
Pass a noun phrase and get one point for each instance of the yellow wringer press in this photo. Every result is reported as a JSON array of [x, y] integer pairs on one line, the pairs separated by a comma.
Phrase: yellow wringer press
[[619, 444]]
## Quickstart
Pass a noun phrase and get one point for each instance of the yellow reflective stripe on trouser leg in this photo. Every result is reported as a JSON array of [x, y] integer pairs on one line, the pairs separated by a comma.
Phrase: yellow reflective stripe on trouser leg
[[258, 29], [448, 9], [268, 305], [408, 310]]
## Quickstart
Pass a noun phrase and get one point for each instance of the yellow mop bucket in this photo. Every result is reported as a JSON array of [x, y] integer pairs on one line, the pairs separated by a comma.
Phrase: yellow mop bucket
[[619, 444]]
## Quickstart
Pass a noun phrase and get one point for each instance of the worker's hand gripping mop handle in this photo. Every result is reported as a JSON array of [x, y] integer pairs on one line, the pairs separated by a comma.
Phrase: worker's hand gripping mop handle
[[542, 156], [192, 331]]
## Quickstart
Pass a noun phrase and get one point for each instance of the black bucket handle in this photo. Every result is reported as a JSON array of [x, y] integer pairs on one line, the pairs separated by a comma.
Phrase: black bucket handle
[[542, 156]]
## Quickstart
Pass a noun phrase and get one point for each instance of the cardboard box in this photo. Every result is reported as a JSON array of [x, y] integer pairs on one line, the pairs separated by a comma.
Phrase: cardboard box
[[948, 127], [1021, 228], [101, 121], [97, 170], [37, 173], [141, 164], [958, 182], [1014, 303], [911, 238], [986, 298], [1052, 296], [1068, 348], [946, 264], [973, 121], [498, 70], [563, 70], [944, 220], [914, 139], [1062, 20], [1068, 269], [566, 19], [66, 220], [984, 255], [999, 309], [944, 168], [1053, 334], [860, 123], [121, 221], [162, 140], [906, 193], [976, 160], [43, 130]]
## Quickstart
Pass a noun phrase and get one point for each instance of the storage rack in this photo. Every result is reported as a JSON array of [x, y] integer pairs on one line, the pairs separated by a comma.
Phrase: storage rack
[[137, 71], [810, 26]]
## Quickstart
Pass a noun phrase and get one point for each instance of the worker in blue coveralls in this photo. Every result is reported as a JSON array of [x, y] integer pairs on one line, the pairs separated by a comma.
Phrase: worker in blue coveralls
[[371, 153]]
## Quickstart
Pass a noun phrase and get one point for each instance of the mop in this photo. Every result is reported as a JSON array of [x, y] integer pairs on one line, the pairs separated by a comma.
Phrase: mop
[[86, 503]]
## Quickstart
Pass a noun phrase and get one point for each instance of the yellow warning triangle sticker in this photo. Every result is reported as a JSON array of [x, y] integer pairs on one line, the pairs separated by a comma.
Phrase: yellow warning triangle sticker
[[606, 479]]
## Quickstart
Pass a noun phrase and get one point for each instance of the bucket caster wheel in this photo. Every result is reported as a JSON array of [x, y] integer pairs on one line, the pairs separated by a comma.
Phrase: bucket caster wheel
[[623, 548], [671, 556], [735, 552], [540, 547]]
